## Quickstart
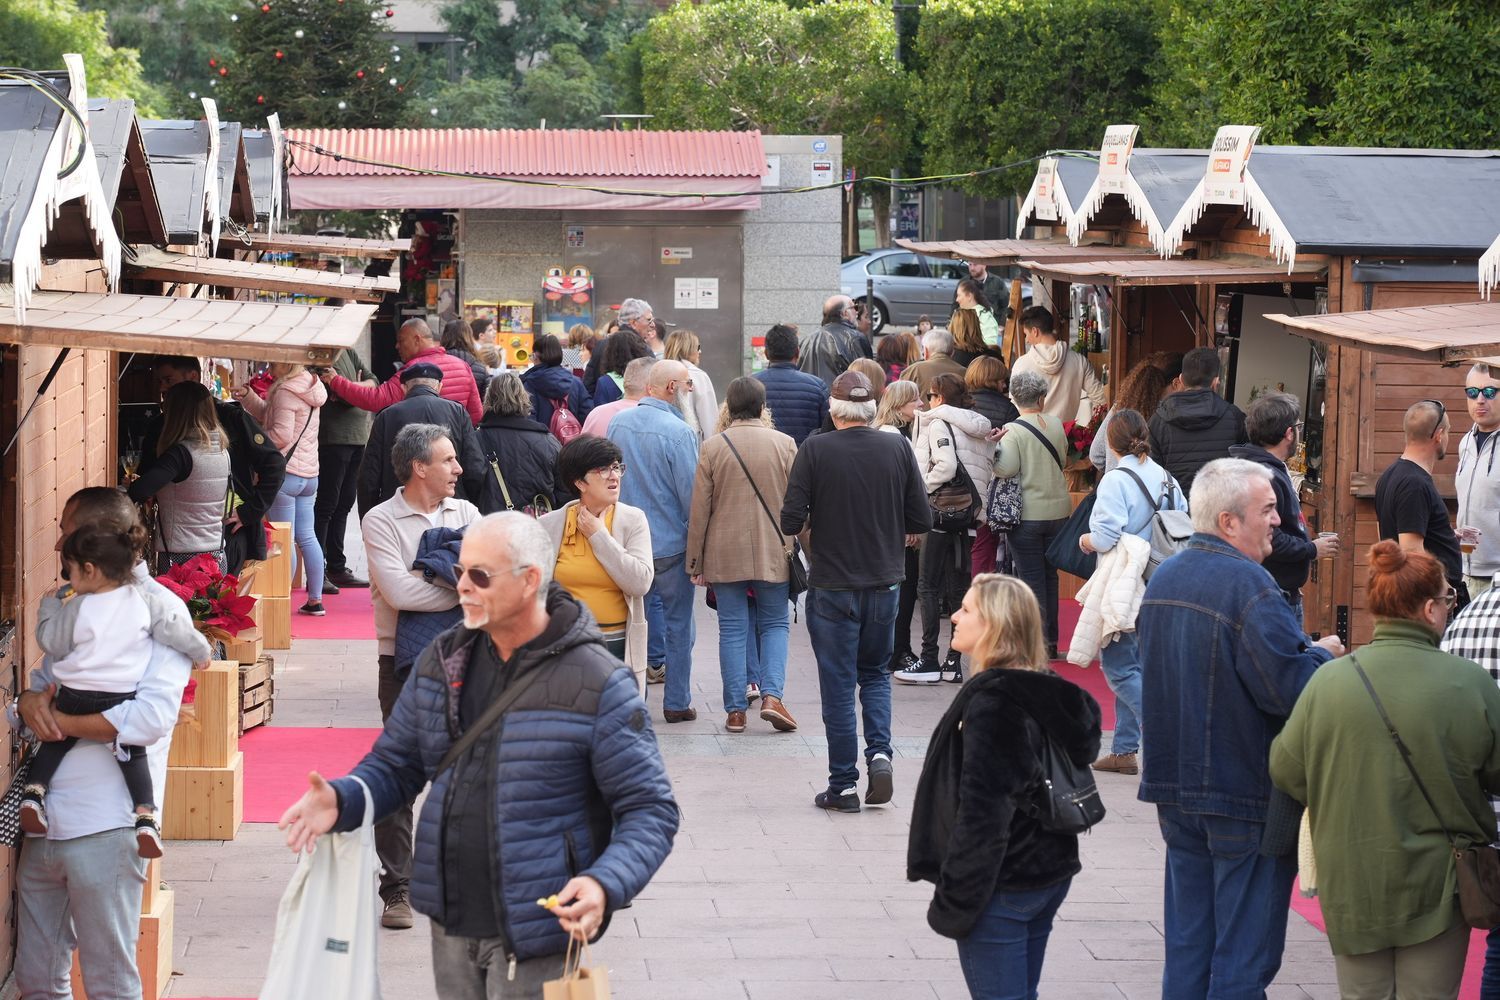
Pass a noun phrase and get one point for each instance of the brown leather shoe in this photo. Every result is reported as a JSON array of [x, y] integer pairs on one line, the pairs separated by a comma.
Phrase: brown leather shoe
[[774, 712], [735, 722], [679, 714], [1119, 763]]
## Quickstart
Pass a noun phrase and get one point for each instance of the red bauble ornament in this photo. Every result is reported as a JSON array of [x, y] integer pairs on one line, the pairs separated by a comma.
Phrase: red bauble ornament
[[359, 74], [279, 53], [390, 13], [223, 70], [213, 62], [265, 8], [260, 99]]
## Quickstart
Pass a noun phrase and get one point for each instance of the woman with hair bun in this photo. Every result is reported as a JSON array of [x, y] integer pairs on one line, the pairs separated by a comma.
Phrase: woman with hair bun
[[1128, 497], [1386, 876], [998, 875]]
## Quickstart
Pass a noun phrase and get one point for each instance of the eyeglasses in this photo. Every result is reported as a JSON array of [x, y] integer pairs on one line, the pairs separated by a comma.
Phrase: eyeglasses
[[605, 471], [1488, 392], [1451, 598], [483, 578]]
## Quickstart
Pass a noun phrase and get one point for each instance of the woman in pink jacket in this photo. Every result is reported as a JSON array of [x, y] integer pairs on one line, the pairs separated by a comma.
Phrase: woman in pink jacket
[[289, 414]]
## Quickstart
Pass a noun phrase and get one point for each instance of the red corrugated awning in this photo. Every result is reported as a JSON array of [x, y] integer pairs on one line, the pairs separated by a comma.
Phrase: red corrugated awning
[[523, 168]]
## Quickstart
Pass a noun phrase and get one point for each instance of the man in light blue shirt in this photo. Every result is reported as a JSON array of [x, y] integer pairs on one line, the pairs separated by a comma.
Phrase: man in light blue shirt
[[80, 883], [660, 452]]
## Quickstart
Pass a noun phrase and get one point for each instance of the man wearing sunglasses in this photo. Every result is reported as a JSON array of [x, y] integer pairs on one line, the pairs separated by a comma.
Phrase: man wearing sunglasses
[[1478, 489], [1410, 508]]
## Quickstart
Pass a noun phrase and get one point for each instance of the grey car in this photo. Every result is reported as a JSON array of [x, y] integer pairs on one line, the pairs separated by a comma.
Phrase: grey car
[[907, 285]]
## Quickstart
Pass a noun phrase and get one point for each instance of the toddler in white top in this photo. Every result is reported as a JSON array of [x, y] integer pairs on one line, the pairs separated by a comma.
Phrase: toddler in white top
[[98, 631]]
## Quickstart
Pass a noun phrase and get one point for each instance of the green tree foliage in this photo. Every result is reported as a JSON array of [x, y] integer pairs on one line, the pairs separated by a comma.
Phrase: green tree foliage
[[490, 46], [760, 64], [469, 102], [1337, 72], [35, 34], [339, 74], [564, 89], [175, 39], [1003, 80]]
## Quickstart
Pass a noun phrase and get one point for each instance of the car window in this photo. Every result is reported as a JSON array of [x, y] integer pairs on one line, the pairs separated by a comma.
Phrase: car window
[[950, 270], [897, 265]]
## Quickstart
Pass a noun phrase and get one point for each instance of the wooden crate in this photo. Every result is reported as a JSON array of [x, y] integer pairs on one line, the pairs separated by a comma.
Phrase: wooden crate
[[153, 950], [212, 737], [257, 693], [205, 803], [245, 647], [276, 622], [153, 888], [274, 578]]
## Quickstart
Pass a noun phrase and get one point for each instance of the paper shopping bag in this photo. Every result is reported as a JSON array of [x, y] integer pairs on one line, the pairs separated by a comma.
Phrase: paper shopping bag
[[579, 981]]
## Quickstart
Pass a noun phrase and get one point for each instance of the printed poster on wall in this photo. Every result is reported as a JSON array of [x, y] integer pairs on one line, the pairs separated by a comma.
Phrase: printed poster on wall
[[708, 293], [1114, 157], [685, 293], [1224, 183]]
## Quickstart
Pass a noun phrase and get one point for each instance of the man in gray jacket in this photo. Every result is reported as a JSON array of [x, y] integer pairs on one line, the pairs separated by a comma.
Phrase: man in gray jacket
[[1478, 489]]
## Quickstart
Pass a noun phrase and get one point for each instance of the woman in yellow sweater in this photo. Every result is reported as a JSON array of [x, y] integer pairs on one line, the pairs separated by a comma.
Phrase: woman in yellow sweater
[[603, 547]]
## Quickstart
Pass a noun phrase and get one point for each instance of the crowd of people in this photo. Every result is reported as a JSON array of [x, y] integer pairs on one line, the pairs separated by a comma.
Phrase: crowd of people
[[536, 543]]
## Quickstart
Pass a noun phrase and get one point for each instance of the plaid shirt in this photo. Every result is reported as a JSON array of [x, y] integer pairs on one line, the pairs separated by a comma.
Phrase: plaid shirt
[[1475, 633]]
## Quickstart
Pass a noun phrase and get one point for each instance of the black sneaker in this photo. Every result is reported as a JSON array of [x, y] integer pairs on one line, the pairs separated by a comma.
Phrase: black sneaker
[[919, 673], [879, 788], [846, 801], [954, 665], [314, 608], [147, 837], [904, 661]]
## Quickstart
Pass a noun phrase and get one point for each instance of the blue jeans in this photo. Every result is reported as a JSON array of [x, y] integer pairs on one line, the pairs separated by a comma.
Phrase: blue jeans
[[674, 588], [1028, 549], [1226, 907], [294, 505], [1489, 982], [853, 633], [1002, 956], [656, 630], [741, 623], [85, 891], [1121, 663], [753, 652]]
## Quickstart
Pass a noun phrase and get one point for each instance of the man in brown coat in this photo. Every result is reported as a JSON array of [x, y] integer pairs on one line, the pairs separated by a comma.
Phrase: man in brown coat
[[735, 543], [937, 348]]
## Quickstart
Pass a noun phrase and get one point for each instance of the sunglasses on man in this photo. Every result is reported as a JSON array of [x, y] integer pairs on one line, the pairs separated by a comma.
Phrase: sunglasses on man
[[1488, 392]]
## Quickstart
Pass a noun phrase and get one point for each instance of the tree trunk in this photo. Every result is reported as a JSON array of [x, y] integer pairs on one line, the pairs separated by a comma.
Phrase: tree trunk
[[880, 203], [851, 223]]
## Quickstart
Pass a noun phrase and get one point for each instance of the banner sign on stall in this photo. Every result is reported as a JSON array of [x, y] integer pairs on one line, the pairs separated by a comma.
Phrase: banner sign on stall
[[1224, 183], [1114, 157], [1043, 205]]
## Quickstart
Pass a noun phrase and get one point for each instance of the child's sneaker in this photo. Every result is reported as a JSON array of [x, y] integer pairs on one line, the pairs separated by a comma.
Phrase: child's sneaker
[[33, 813], [147, 836]]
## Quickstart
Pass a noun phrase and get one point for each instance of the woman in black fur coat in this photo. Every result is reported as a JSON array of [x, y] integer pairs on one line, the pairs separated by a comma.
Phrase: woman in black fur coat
[[999, 876]]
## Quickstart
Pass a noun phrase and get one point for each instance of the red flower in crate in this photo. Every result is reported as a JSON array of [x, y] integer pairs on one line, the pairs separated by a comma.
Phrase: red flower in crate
[[219, 610]]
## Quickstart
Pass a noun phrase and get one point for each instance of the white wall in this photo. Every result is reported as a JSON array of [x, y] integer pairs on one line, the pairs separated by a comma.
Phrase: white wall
[[1268, 354]]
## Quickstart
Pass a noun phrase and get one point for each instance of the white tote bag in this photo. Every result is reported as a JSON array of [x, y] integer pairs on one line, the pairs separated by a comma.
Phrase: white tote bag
[[326, 933]]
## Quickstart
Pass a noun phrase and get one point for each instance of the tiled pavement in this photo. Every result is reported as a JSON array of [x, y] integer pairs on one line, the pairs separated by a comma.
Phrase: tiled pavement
[[763, 896]]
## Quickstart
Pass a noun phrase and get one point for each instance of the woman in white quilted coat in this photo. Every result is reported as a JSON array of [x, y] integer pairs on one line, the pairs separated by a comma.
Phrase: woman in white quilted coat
[[946, 434], [289, 413]]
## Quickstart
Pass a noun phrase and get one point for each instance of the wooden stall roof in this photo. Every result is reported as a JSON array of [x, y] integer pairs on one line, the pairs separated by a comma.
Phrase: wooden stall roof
[[157, 324], [1446, 334], [1152, 270], [163, 265], [1011, 251], [341, 245]]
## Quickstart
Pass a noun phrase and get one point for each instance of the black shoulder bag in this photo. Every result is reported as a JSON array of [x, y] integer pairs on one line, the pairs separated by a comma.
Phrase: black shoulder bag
[[796, 570], [1478, 867], [1066, 799], [956, 504]]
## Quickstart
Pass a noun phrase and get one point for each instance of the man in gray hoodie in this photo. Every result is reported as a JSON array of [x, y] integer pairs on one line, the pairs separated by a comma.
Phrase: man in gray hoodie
[[1478, 489], [1069, 374]]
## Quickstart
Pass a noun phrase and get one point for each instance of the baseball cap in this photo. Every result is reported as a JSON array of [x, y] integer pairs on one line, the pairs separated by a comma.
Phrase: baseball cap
[[854, 387], [422, 369]]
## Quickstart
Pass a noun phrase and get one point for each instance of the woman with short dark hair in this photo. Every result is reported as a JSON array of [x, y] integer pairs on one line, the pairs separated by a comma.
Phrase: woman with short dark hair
[[618, 350], [603, 548], [551, 385]]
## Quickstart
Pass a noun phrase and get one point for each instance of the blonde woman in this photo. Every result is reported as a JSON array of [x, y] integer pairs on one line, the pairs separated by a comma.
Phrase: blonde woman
[[188, 476], [897, 414], [701, 408], [999, 876], [289, 413]]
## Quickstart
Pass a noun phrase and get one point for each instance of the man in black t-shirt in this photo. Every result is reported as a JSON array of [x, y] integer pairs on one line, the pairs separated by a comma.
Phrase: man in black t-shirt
[[1409, 507]]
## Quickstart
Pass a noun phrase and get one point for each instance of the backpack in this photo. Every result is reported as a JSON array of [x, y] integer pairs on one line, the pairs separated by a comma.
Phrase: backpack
[[1170, 529], [563, 425], [955, 505]]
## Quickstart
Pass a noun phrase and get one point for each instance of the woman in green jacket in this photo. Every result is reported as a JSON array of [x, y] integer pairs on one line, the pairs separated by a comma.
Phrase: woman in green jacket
[[1386, 877]]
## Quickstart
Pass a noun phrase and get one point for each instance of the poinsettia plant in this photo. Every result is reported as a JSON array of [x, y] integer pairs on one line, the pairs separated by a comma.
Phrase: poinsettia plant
[[1080, 436], [212, 597]]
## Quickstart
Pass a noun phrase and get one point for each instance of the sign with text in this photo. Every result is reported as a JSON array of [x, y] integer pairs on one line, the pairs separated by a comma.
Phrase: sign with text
[[822, 172], [1044, 207], [1114, 157], [1224, 183], [676, 253]]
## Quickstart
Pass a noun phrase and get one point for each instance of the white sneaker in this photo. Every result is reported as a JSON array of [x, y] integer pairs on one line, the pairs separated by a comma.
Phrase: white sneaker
[[752, 692], [919, 673], [656, 673]]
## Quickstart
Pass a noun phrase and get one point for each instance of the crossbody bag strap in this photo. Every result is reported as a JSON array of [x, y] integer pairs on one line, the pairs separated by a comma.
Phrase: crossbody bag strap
[[504, 490], [501, 705], [1042, 438], [775, 524], [1401, 746], [1141, 483]]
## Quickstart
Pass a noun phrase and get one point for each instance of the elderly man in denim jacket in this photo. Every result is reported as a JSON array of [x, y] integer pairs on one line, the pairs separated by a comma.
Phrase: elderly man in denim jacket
[[1224, 659]]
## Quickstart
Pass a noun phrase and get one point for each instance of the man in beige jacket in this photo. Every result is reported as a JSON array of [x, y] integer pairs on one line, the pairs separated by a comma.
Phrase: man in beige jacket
[[1069, 374]]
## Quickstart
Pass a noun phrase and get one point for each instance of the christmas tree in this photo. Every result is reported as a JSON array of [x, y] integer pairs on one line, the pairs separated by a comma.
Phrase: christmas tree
[[318, 63]]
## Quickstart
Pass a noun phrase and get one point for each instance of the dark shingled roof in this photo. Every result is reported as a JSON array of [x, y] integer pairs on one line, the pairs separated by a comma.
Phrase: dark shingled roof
[[1168, 177], [179, 167], [28, 122]]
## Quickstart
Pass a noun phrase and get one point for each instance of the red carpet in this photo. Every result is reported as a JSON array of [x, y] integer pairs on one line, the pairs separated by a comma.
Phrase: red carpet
[[1090, 678], [350, 616], [277, 759], [1309, 910]]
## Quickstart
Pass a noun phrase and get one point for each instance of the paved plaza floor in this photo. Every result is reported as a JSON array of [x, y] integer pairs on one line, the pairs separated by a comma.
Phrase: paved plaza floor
[[764, 897]]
